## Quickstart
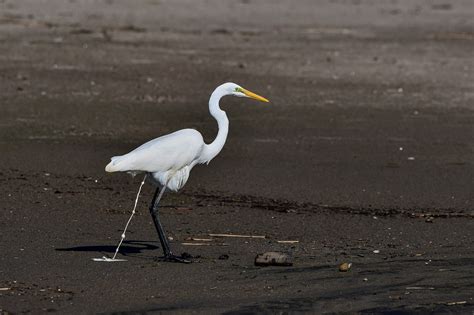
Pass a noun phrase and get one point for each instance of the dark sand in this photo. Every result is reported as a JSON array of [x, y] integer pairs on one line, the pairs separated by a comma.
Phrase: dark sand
[[367, 145]]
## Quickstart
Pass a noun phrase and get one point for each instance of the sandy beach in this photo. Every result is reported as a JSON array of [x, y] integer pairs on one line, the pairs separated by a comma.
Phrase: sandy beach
[[364, 155]]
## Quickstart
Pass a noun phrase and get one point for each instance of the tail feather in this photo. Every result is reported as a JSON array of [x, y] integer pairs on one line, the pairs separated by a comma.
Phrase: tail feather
[[113, 165]]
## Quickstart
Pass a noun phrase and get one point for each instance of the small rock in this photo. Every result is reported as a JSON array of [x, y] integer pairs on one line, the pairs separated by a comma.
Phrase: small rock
[[429, 220], [223, 257], [273, 259], [344, 267]]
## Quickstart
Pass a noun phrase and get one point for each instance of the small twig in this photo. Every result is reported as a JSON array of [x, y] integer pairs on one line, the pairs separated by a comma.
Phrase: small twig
[[456, 303], [288, 242], [420, 288], [196, 244], [237, 235], [122, 237], [204, 244], [200, 239]]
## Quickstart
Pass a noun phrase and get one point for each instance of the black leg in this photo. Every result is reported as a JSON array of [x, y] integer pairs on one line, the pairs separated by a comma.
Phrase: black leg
[[168, 255]]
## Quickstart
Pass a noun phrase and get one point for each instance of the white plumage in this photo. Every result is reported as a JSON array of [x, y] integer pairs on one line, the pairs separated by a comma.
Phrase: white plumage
[[162, 158], [170, 158]]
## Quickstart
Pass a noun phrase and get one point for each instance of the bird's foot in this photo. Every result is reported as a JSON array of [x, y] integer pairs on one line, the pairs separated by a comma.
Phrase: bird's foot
[[184, 258]]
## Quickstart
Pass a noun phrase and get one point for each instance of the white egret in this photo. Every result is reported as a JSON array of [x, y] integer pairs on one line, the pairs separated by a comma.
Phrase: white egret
[[170, 158]]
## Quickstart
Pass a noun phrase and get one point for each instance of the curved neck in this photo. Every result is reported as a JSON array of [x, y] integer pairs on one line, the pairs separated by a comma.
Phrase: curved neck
[[212, 149]]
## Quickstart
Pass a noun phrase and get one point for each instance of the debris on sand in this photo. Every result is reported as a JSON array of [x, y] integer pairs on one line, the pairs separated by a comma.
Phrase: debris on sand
[[237, 235], [288, 242], [199, 239], [344, 267], [420, 288], [223, 257], [204, 244], [273, 259], [196, 244], [455, 303]]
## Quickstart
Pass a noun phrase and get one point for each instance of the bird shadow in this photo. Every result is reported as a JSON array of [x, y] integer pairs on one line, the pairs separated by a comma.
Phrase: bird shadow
[[127, 248]]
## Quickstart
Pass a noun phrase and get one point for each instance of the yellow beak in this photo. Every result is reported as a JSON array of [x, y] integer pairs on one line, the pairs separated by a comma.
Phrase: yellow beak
[[254, 96]]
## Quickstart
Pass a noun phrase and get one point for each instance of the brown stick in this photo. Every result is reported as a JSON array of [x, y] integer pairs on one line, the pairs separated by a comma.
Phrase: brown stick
[[201, 239], [237, 235], [204, 244]]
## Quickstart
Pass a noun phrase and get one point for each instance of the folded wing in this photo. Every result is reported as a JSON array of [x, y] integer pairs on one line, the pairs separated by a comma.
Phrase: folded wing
[[167, 153]]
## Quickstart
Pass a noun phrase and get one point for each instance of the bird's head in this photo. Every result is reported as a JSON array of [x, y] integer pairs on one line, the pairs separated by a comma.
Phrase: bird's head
[[237, 90]]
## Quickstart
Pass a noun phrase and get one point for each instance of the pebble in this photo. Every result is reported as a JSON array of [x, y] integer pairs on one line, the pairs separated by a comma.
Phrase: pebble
[[273, 259], [344, 267]]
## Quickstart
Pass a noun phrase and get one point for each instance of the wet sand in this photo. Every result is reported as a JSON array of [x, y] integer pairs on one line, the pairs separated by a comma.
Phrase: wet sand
[[367, 145]]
